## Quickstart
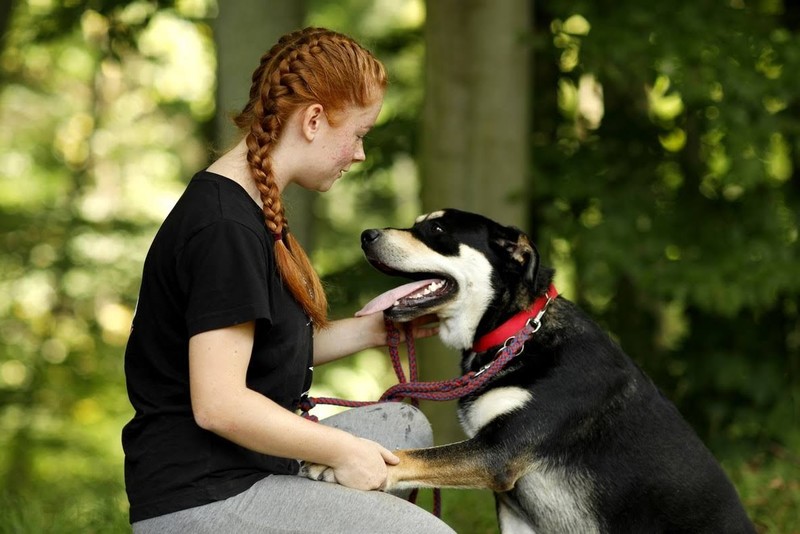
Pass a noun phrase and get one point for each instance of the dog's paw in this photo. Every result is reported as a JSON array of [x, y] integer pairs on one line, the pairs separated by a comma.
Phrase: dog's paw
[[320, 472]]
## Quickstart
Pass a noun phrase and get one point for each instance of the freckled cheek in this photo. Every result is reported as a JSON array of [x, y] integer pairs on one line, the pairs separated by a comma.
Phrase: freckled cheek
[[345, 154]]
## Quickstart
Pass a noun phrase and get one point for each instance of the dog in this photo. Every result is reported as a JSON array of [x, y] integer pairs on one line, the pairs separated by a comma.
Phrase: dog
[[571, 435]]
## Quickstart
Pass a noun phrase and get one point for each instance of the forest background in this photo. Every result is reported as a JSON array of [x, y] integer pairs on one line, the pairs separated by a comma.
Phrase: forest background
[[650, 149]]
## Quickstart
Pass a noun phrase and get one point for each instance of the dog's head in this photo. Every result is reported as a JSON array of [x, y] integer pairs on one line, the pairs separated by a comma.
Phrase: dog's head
[[473, 272]]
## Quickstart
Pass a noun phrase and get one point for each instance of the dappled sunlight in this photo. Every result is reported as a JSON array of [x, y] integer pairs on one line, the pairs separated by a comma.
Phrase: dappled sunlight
[[581, 99], [54, 350], [33, 295], [115, 320], [778, 159], [72, 138], [13, 373], [567, 37], [665, 105], [582, 103], [184, 63], [376, 17]]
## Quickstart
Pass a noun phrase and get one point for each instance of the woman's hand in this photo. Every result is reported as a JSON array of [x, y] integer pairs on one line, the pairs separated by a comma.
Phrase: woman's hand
[[363, 467], [421, 327]]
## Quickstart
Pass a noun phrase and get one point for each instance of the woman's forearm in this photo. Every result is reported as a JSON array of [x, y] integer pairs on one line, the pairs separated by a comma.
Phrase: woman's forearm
[[223, 404], [255, 422], [346, 336]]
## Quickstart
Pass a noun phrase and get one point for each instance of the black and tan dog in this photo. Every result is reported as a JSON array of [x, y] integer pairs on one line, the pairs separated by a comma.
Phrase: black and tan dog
[[571, 435]]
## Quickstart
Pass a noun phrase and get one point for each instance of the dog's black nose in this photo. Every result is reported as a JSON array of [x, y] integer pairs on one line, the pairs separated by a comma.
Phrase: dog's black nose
[[369, 236]]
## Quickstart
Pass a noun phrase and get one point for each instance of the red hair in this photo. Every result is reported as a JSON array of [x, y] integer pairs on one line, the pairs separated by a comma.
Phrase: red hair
[[309, 66]]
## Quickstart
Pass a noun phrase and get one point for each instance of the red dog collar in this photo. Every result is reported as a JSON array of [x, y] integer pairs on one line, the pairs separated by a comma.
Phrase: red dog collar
[[517, 322]]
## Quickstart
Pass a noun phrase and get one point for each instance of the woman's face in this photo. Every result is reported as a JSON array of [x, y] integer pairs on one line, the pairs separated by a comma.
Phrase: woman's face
[[339, 145]]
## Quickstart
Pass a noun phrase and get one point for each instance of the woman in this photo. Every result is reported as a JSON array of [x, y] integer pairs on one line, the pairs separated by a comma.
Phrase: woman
[[232, 318]]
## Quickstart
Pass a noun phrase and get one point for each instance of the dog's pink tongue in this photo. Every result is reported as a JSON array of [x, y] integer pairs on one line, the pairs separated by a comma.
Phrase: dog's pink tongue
[[385, 300]]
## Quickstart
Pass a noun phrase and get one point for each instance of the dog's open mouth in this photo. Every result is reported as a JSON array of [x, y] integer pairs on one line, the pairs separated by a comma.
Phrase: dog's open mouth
[[410, 300]]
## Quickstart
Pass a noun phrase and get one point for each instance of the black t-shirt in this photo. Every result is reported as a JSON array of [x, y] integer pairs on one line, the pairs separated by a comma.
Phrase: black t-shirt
[[211, 265]]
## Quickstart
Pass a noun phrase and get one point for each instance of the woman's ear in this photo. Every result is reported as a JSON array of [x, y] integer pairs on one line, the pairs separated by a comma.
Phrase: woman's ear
[[312, 118]]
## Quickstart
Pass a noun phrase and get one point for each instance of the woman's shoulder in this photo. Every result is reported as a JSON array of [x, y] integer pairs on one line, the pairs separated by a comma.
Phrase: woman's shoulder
[[211, 200], [212, 197]]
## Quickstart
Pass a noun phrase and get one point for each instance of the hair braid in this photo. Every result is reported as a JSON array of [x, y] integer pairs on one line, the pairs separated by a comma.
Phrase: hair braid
[[313, 65]]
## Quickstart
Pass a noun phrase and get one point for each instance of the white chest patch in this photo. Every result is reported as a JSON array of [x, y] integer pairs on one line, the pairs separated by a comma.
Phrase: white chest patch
[[491, 404], [473, 274], [511, 523], [560, 502]]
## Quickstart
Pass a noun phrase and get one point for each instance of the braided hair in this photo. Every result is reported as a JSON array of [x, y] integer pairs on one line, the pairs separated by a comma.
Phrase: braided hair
[[313, 65]]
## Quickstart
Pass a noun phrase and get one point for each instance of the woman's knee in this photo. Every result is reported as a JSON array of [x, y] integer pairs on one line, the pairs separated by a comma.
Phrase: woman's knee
[[395, 425], [417, 431]]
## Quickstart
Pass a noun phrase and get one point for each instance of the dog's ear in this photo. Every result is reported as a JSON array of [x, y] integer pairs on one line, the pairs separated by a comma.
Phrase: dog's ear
[[523, 252]]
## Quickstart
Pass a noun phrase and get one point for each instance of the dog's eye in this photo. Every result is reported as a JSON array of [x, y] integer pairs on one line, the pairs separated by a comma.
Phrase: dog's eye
[[437, 228]]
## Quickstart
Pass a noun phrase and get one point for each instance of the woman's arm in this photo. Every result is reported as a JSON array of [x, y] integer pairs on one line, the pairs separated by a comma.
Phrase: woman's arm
[[346, 336], [222, 403]]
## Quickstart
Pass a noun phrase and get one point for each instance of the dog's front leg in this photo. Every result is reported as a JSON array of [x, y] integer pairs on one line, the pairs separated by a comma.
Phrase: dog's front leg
[[466, 464]]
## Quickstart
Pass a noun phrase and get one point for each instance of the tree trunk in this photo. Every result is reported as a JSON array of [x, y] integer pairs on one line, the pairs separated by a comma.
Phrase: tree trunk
[[476, 127], [476, 116], [244, 30]]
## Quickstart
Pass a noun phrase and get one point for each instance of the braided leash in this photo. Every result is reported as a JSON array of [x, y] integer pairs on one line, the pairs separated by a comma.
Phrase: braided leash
[[393, 337], [442, 390], [445, 390]]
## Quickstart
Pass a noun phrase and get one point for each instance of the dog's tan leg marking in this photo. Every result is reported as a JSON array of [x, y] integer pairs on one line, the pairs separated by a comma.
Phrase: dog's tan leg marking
[[458, 465], [416, 469]]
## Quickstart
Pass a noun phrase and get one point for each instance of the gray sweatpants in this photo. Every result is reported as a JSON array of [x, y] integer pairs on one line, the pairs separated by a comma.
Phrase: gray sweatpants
[[291, 504]]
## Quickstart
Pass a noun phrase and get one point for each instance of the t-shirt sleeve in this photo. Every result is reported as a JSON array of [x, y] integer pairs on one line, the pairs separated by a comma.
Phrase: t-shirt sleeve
[[225, 274]]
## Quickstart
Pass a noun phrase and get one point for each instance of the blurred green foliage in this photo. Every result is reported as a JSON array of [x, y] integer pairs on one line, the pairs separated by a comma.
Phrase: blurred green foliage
[[100, 111], [665, 189]]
